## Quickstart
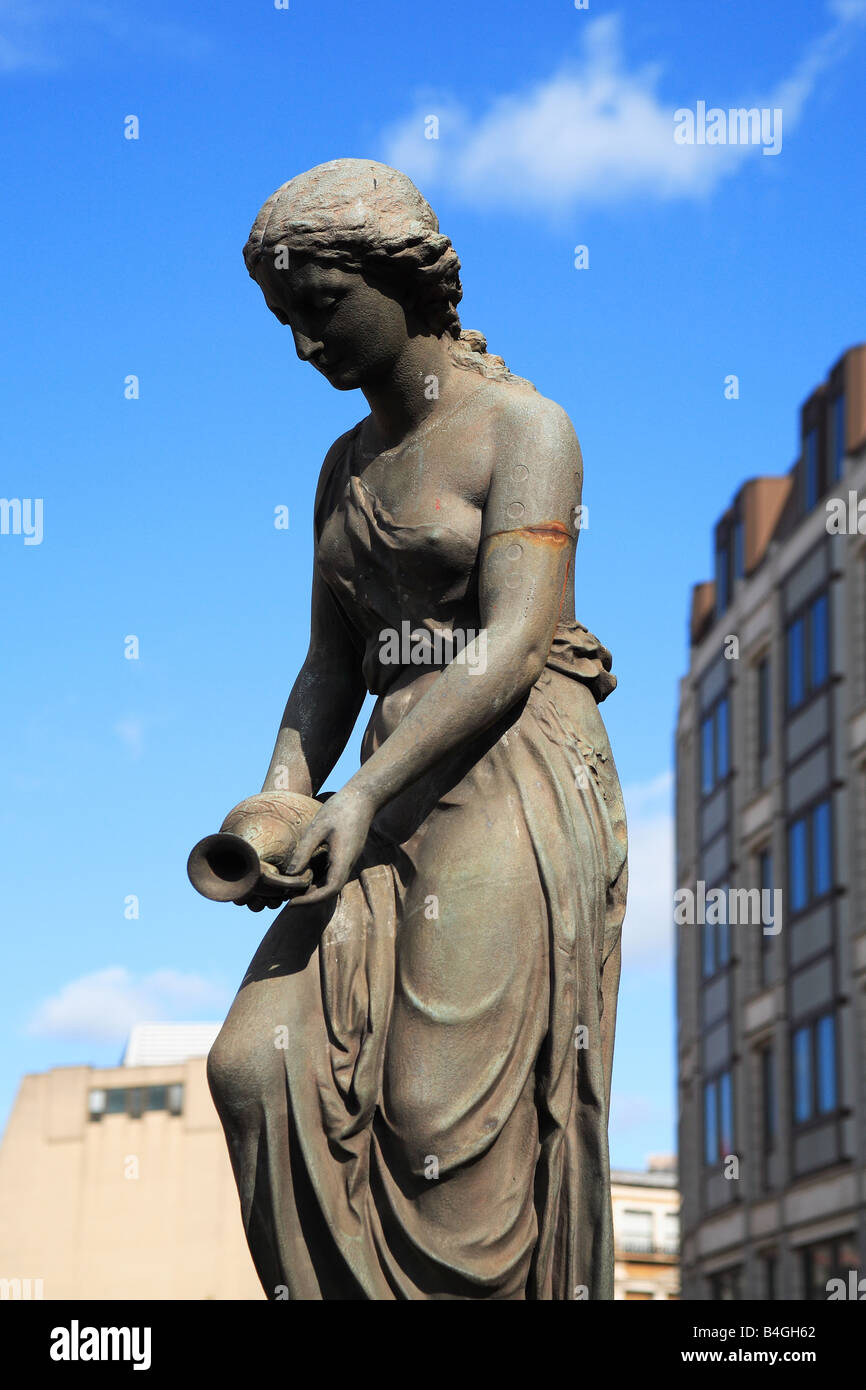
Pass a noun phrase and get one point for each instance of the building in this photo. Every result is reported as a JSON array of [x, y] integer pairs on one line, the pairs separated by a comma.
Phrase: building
[[646, 1209], [771, 796], [115, 1182]]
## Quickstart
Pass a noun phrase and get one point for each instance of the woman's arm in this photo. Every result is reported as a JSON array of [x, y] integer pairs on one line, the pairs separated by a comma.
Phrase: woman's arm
[[324, 704], [524, 559]]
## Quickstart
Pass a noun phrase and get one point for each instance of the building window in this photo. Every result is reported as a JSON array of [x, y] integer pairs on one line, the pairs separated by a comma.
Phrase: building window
[[715, 746], [671, 1232], [708, 955], [810, 857], [765, 880], [815, 1069], [711, 1122], [765, 707], [739, 548], [796, 663], [133, 1101], [723, 578], [826, 1260], [725, 1286], [837, 438], [825, 1063], [819, 643], [716, 943], [768, 1097], [810, 470], [636, 1231], [718, 1119], [769, 1264], [808, 652]]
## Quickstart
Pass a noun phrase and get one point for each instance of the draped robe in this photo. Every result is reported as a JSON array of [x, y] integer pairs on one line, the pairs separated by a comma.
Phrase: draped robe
[[414, 1080]]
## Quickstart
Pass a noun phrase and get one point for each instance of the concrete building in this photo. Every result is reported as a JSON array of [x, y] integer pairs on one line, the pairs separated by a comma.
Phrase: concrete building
[[115, 1182], [771, 796], [646, 1209]]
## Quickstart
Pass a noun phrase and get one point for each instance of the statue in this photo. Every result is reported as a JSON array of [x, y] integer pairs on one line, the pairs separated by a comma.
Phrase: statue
[[414, 1077]]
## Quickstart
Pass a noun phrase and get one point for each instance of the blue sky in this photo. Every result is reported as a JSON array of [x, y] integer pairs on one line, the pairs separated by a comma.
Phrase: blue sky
[[123, 257]]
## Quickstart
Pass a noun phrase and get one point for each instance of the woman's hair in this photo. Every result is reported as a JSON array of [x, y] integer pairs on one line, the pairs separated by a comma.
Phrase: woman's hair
[[365, 216]]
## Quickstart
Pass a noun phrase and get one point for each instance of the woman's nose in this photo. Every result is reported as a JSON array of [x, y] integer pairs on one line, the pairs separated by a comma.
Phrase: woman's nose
[[305, 347]]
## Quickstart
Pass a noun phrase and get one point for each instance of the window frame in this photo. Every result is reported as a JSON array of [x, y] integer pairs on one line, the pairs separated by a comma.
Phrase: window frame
[[810, 1027], [807, 818], [803, 618]]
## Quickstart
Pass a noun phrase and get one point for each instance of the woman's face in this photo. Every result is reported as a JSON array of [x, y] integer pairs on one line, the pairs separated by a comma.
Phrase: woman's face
[[352, 331]]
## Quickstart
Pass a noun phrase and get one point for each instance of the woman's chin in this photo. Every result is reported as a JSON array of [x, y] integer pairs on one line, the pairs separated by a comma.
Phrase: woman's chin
[[342, 378]]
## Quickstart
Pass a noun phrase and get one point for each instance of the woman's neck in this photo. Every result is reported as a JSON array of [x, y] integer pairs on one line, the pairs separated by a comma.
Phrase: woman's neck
[[422, 378]]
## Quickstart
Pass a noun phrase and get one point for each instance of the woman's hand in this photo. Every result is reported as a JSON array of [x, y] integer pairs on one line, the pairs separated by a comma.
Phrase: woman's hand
[[342, 825]]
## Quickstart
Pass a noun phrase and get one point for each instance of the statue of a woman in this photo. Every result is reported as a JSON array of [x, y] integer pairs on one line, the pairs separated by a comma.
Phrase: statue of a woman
[[414, 1076]]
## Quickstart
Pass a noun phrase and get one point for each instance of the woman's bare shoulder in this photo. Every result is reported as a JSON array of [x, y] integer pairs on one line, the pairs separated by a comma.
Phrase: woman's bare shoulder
[[526, 414], [332, 459]]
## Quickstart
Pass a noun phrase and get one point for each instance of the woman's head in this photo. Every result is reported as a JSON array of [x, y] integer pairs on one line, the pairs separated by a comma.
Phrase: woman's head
[[350, 255]]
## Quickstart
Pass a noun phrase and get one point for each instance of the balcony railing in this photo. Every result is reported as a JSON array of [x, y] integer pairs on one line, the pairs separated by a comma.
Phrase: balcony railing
[[646, 1245]]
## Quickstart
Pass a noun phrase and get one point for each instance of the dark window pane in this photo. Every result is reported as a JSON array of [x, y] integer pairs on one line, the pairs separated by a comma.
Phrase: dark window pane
[[722, 740], [837, 431], [768, 906], [810, 469], [722, 580], [739, 549], [819, 647], [796, 664], [818, 1265], [723, 942], [847, 1254], [707, 758], [726, 1114], [711, 1124], [802, 1074], [766, 870], [798, 866], [822, 850], [725, 1285], [826, 1049], [709, 945], [115, 1102], [768, 1069], [157, 1098], [764, 726]]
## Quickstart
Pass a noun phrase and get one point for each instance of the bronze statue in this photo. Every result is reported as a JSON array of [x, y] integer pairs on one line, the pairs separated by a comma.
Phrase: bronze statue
[[414, 1077]]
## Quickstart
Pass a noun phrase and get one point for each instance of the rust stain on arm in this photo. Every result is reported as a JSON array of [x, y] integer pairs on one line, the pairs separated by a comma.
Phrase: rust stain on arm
[[546, 533]]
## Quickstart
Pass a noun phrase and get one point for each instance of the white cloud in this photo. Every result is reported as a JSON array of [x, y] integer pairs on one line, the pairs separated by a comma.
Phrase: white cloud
[[40, 35], [648, 930], [103, 1006], [594, 131]]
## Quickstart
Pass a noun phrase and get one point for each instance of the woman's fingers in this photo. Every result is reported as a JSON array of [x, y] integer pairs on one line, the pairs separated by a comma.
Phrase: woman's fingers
[[303, 852], [258, 899], [336, 878]]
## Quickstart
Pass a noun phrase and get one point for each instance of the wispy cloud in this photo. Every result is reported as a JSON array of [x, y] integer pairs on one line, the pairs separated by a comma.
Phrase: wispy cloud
[[648, 930], [130, 731], [594, 131], [103, 1006], [41, 35]]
